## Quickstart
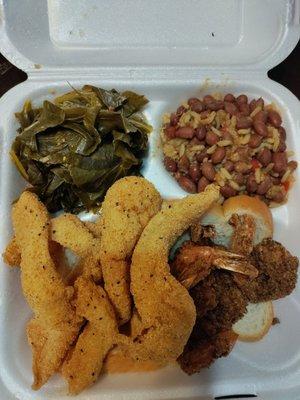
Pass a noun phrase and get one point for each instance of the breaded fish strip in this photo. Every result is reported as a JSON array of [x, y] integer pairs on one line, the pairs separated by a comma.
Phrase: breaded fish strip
[[127, 208], [85, 362], [67, 230], [70, 232], [55, 325], [164, 305], [12, 255]]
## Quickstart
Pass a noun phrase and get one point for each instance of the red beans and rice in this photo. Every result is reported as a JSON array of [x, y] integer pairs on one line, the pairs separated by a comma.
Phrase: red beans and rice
[[239, 145]]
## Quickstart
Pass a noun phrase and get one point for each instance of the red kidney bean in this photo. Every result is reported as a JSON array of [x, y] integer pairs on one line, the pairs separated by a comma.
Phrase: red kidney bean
[[229, 166], [282, 132], [227, 191], [264, 157], [280, 162], [196, 105], [211, 138], [292, 165], [255, 141], [252, 105], [218, 155], [194, 171], [170, 132], [261, 116], [208, 171], [244, 109], [200, 156], [204, 114], [195, 141], [243, 153], [200, 132], [170, 164], [226, 135], [243, 123], [180, 110], [276, 181], [242, 98], [260, 103], [187, 184], [282, 146], [208, 99], [229, 97], [203, 182], [256, 103], [242, 167], [278, 197], [230, 108], [215, 105], [185, 133], [174, 119], [251, 185], [240, 179], [184, 164], [274, 118], [264, 186], [260, 128]]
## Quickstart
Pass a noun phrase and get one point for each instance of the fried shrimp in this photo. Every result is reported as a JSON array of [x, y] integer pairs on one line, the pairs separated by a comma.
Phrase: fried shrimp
[[55, 325], [127, 208], [165, 307], [85, 361]]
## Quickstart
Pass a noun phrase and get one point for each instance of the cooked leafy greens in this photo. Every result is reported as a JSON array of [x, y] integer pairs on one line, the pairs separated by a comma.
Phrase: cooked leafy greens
[[73, 149]]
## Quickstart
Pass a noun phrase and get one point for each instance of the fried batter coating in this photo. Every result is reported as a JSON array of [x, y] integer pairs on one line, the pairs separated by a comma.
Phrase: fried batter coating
[[70, 232], [165, 307], [231, 304], [127, 208], [277, 273], [82, 238], [202, 353], [243, 233], [12, 255], [55, 325], [85, 361]]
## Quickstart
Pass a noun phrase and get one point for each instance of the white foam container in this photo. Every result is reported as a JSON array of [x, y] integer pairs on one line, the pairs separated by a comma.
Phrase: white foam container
[[169, 50]]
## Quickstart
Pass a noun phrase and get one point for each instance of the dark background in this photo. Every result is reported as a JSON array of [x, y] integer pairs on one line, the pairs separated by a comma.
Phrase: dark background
[[287, 73]]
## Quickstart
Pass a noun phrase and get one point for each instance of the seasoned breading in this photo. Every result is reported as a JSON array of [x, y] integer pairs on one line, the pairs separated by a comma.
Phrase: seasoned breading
[[202, 353], [277, 273], [55, 325], [243, 233], [84, 364], [72, 233], [127, 208], [11, 255], [82, 238], [166, 309]]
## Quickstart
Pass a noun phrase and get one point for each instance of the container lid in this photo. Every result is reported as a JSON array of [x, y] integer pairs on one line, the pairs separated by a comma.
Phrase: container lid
[[216, 34]]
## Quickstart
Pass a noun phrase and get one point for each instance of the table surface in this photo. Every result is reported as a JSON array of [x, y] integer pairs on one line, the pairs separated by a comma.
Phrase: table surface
[[287, 73]]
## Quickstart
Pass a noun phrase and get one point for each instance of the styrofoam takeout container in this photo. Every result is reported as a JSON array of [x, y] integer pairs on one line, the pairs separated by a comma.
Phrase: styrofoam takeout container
[[169, 50]]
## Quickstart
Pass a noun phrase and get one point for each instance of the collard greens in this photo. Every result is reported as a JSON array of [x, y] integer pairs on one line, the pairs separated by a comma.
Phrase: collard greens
[[73, 149]]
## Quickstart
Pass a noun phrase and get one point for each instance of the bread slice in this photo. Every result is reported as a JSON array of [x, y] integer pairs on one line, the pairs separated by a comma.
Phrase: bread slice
[[219, 217], [256, 323]]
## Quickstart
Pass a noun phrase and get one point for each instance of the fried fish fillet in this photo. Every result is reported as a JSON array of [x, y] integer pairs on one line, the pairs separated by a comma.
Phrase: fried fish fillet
[[85, 361], [12, 255], [166, 309], [127, 208], [55, 325], [82, 238], [70, 232]]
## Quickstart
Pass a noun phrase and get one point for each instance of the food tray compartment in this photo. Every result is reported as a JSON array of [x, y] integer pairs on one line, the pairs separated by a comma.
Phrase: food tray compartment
[[263, 368]]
